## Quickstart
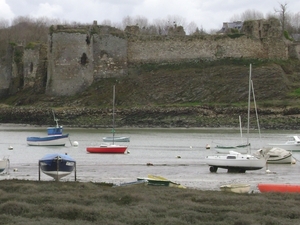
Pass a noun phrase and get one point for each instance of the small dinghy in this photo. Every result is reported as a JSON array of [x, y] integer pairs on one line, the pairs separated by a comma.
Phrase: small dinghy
[[57, 165]]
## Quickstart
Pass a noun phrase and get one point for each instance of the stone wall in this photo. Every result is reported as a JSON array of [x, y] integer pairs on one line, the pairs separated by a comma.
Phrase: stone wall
[[77, 56], [70, 63]]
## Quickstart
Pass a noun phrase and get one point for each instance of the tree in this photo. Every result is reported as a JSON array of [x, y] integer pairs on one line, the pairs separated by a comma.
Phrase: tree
[[282, 15]]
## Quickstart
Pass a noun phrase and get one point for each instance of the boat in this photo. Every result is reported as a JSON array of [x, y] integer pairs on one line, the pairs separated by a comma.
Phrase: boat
[[236, 188], [111, 147], [277, 155], [116, 139], [265, 187], [241, 148], [57, 165], [55, 137], [4, 164], [155, 180], [107, 148], [292, 144], [141, 182], [236, 162]]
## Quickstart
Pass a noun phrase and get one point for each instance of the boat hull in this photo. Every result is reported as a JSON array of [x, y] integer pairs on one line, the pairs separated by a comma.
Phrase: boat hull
[[106, 149], [50, 140], [236, 188], [288, 147], [226, 149], [235, 162], [57, 165], [3, 164], [292, 144], [295, 188], [116, 139]]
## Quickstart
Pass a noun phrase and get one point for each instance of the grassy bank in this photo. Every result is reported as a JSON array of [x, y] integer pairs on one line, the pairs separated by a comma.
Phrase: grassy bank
[[44, 202]]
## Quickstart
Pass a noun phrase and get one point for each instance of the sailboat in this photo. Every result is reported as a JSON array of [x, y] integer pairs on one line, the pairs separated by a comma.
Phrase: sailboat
[[241, 148], [235, 161], [109, 148]]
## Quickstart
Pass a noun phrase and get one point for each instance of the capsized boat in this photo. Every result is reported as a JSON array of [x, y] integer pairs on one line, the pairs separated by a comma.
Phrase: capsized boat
[[55, 137], [277, 155], [57, 165], [292, 144], [265, 187], [236, 188]]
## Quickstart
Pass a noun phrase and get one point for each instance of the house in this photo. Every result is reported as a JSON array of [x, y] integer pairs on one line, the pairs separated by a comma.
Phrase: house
[[227, 26]]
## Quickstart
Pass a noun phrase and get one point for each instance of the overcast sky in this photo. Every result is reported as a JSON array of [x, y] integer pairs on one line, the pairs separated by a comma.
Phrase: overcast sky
[[208, 14]]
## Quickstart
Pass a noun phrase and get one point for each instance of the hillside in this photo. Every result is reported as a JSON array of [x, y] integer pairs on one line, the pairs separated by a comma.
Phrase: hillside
[[202, 94]]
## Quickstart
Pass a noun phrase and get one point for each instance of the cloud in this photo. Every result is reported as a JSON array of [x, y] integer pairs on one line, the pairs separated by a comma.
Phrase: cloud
[[48, 10], [5, 11]]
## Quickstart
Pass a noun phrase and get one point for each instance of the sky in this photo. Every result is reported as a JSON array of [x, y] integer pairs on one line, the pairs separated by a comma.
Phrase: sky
[[207, 14]]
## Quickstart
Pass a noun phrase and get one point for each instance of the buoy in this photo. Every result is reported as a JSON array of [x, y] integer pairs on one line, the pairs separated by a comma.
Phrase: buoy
[[207, 146], [128, 152], [75, 143], [15, 169], [191, 146], [10, 147]]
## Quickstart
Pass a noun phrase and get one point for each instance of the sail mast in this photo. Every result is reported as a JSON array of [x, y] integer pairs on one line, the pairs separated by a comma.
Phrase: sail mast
[[113, 129], [249, 96]]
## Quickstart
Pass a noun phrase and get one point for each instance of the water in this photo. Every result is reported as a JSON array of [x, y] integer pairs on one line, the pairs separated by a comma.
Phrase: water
[[176, 154]]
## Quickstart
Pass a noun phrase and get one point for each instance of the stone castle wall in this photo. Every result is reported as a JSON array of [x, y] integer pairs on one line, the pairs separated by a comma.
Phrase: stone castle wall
[[78, 56], [70, 63]]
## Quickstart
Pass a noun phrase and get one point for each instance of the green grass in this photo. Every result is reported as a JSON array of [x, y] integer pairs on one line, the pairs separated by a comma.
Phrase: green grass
[[36, 202]]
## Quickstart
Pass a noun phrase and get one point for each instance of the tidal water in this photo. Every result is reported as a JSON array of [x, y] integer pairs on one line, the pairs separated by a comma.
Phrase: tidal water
[[176, 154]]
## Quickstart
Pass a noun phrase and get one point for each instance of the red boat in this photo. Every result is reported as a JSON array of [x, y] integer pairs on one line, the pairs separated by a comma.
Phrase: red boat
[[279, 187], [107, 149]]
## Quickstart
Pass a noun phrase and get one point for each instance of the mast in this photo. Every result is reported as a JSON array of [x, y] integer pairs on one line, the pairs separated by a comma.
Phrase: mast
[[113, 129], [249, 96]]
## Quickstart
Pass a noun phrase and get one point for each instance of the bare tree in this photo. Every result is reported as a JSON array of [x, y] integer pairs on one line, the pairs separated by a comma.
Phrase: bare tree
[[191, 28], [248, 15], [252, 15], [282, 15]]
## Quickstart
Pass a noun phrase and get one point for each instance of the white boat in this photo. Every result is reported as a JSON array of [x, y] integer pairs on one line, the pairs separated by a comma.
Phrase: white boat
[[4, 164], [292, 144], [116, 139], [235, 161], [236, 188], [278, 156], [241, 148]]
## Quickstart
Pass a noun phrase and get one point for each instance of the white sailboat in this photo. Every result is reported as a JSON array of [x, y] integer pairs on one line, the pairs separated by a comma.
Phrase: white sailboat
[[242, 147], [235, 161]]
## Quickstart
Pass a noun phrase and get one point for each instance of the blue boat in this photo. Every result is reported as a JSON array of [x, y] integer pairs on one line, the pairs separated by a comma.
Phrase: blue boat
[[55, 137], [57, 165]]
